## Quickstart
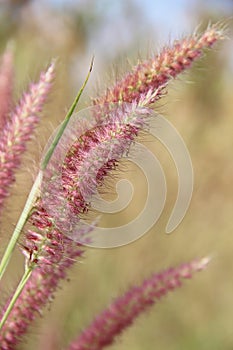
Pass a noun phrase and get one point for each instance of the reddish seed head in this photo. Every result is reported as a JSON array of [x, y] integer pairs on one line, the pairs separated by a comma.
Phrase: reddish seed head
[[55, 253], [124, 310]]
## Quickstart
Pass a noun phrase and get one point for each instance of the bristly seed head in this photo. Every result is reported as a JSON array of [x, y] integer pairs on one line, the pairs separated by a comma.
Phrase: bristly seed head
[[46, 247], [122, 312], [156, 72]]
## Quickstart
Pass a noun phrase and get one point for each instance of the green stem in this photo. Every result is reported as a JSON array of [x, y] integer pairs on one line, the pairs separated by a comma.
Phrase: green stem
[[20, 224], [36, 186], [66, 121], [17, 293]]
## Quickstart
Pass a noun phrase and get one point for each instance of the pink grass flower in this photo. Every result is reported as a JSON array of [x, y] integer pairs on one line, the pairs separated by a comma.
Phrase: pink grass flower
[[141, 87], [50, 252], [88, 161], [157, 71], [45, 246], [123, 311], [81, 171], [19, 129], [6, 86]]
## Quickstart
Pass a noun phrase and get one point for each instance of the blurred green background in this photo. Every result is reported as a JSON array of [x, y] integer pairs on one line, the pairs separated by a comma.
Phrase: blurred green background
[[199, 104]]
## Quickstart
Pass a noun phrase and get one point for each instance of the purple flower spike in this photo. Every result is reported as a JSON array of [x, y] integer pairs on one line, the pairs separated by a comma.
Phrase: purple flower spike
[[47, 249], [19, 129], [124, 310], [6, 86], [154, 74]]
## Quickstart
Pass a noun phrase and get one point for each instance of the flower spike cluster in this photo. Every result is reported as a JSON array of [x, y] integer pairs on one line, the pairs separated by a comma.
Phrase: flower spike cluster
[[45, 246]]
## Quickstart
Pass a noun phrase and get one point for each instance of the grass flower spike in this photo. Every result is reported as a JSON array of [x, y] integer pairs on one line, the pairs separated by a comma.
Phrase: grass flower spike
[[19, 129], [57, 255], [6, 86], [113, 127], [84, 156], [123, 311], [154, 74], [66, 192]]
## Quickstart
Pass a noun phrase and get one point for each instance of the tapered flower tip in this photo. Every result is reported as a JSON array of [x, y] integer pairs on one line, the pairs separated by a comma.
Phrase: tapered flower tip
[[123, 311], [154, 74], [6, 83]]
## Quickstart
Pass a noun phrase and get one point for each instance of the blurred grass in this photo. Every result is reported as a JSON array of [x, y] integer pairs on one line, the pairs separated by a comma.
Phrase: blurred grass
[[199, 315]]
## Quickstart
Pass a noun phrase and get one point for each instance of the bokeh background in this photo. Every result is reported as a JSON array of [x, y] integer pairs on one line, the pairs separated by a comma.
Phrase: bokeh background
[[199, 104]]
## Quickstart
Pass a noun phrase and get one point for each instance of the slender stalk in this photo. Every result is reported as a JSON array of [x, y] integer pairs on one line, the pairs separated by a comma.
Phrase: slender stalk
[[17, 293], [35, 188], [66, 120], [20, 224]]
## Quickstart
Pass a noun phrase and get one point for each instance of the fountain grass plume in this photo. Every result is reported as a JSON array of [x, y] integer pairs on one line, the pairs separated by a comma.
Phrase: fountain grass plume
[[20, 127], [156, 72], [6, 85], [49, 253], [123, 311]]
